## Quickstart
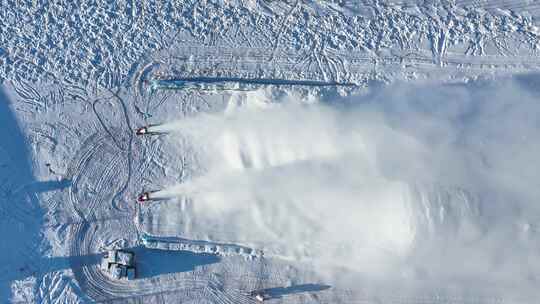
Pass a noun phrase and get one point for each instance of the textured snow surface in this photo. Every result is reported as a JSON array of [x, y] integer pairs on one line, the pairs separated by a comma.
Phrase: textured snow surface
[[105, 43], [420, 185]]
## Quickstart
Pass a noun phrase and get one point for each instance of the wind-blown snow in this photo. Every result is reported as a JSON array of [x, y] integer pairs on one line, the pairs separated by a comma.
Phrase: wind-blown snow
[[299, 178], [419, 183], [287, 133]]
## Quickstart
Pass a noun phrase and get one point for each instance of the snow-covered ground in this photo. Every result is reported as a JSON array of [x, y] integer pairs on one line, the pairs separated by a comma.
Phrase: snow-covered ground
[[418, 185]]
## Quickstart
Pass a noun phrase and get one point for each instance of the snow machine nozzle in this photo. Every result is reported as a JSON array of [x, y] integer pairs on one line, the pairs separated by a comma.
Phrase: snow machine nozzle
[[145, 196], [146, 130], [150, 196], [141, 131]]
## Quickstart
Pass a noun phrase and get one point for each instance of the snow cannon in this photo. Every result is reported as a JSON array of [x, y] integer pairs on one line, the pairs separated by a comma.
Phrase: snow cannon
[[145, 196], [259, 295], [142, 131], [150, 196], [146, 130]]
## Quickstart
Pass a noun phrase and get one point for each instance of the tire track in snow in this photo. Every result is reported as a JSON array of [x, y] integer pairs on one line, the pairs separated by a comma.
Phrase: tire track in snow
[[281, 27], [85, 240], [100, 158], [96, 152], [129, 155]]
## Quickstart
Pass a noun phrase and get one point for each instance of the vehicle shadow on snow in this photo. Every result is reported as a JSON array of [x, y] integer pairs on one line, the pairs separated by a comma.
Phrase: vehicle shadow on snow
[[46, 186], [280, 292], [155, 262], [46, 265], [20, 213], [149, 263]]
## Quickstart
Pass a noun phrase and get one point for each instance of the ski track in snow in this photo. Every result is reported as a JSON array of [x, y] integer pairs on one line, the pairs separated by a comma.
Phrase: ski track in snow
[[75, 72]]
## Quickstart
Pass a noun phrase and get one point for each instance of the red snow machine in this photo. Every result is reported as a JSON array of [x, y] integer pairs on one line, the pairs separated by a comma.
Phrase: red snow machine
[[145, 197], [142, 131], [145, 130]]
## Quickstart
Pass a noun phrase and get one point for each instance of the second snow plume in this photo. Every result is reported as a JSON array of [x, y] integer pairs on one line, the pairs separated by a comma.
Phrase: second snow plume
[[332, 211]]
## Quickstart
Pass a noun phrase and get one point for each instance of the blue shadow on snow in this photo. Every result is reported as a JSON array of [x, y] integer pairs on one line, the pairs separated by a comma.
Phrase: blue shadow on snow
[[21, 214], [154, 262]]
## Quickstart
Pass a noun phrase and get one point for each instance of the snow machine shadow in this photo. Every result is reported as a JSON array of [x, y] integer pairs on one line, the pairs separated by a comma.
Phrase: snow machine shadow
[[155, 262], [279, 292], [52, 185], [52, 264]]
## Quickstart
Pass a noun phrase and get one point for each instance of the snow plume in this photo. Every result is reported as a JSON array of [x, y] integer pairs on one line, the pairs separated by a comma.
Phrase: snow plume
[[257, 139], [437, 185]]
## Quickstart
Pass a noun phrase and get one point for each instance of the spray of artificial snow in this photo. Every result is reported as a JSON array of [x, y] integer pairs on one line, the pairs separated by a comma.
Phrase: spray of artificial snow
[[414, 184]]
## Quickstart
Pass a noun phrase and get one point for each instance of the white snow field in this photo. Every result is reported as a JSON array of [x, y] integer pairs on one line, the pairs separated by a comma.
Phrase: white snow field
[[419, 184]]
